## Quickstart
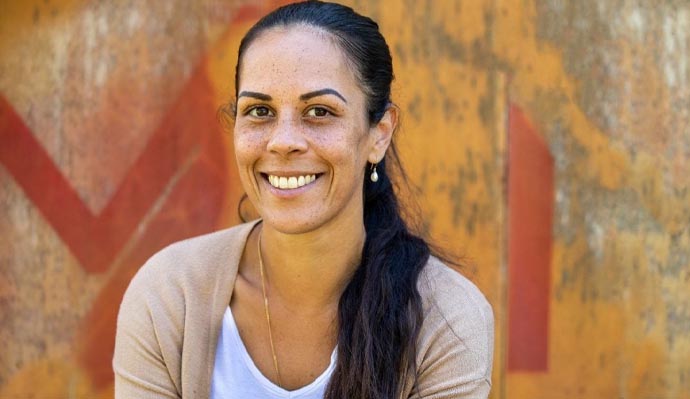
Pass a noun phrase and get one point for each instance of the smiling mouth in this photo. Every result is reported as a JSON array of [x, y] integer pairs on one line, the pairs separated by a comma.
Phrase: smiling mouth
[[291, 182]]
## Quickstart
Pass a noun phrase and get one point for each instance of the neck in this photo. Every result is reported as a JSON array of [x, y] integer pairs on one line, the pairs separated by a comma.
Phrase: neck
[[308, 272]]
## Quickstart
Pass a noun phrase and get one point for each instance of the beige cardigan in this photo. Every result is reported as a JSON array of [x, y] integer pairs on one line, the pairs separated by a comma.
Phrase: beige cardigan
[[171, 315]]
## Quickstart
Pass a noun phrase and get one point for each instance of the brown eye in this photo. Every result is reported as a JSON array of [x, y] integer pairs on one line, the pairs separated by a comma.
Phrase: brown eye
[[260, 112], [318, 112]]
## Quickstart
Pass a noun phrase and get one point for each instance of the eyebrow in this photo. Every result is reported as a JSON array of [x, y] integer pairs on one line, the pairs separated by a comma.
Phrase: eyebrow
[[258, 96], [303, 97], [322, 92]]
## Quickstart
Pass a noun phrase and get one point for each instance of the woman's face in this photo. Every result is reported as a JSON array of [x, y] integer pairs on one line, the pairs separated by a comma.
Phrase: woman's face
[[302, 136]]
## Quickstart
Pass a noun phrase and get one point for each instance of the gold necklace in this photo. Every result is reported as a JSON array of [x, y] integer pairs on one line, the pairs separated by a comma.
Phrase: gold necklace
[[268, 315]]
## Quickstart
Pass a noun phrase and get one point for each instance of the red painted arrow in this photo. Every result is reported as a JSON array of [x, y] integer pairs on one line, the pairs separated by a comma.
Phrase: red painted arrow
[[95, 239]]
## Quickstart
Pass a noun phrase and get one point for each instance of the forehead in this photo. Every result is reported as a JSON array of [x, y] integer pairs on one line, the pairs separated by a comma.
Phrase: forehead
[[296, 57]]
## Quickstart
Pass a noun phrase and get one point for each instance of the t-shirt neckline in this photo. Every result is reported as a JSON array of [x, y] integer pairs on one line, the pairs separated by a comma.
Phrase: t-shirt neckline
[[229, 320]]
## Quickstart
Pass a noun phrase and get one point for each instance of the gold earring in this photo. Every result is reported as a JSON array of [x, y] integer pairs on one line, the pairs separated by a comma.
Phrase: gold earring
[[374, 176]]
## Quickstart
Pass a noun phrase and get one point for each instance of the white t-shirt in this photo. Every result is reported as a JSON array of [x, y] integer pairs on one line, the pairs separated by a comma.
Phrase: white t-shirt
[[235, 376]]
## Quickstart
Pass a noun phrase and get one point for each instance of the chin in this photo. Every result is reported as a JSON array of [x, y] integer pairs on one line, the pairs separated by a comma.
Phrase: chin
[[302, 219], [290, 225]]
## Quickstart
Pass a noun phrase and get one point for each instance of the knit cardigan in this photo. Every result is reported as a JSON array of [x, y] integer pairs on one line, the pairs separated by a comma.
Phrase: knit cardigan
[[171, 316]]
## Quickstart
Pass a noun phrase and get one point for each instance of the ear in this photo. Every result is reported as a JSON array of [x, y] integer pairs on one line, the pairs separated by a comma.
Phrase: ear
[[382, 133]]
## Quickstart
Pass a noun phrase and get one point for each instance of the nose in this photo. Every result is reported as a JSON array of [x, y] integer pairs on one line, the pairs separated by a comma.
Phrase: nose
[[286, 138]]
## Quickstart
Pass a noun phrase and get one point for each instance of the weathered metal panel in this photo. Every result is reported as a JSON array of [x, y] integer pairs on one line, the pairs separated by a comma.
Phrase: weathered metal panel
[[605, 83]]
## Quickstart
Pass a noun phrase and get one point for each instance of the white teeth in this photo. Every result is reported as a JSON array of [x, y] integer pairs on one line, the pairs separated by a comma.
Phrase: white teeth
[[291, 182]]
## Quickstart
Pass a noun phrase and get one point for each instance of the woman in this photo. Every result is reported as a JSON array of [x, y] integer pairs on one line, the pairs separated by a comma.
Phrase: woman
[[329, 294]]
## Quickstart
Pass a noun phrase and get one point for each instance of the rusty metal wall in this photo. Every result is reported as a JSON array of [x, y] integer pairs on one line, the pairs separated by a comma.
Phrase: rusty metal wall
[[549, 141], [608, 85]]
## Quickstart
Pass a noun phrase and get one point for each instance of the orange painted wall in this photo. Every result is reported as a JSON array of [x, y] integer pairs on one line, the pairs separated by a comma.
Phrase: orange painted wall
[[609, 86], [110, 149]]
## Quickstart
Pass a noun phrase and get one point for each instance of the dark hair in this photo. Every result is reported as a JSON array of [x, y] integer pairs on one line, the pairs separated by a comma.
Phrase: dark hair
[[380, 311]]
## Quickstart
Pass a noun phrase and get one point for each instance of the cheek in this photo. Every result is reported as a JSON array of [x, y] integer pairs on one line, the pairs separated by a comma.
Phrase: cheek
[[341, 140], [247, 146]]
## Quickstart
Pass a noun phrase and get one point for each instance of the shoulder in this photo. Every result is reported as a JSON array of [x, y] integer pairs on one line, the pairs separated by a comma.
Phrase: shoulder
[[452, 294], [177, 297], [188, 264], [458, 320], [183, 278]]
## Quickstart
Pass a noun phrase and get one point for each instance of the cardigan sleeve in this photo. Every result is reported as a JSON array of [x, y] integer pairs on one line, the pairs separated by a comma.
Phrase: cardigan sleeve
[[140, 367], [455, 350]]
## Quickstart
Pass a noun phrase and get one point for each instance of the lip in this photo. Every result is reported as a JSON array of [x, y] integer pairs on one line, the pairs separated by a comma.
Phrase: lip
[[288, 193], [288, 173]]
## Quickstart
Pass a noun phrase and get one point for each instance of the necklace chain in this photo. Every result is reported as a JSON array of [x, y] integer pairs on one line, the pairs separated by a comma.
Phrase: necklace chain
[[268, 314]]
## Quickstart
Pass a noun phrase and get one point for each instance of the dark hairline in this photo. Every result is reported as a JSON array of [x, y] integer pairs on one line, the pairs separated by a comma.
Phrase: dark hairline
[[331, 36]]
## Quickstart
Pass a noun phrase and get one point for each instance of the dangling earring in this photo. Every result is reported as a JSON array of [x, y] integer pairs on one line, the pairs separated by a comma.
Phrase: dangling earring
[[374, 176]]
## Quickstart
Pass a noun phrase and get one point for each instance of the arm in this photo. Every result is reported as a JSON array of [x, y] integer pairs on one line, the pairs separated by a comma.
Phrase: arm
[[140, 367], [455, 347], [453, 369]]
